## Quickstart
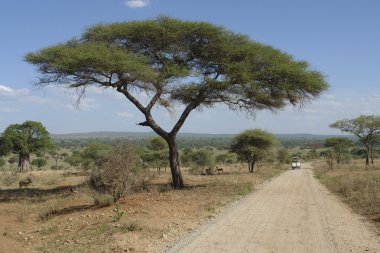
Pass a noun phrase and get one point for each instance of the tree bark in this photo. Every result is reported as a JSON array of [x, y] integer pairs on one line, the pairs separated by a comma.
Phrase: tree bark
[[23, 163], [174, 163], [367, 157]]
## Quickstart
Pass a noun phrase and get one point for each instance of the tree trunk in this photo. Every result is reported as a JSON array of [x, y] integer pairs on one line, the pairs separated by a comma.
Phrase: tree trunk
[[23, 163], [251, 166], [174, 163], [367, 157]]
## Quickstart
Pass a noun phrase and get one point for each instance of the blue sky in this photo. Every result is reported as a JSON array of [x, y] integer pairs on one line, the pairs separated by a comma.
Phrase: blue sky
[[340, 38]]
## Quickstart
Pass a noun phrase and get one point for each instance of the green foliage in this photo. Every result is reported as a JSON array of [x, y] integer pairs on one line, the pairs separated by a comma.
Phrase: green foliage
[[156, 154], [95, 155], [27, 138], [252, 145], [198, 158], [235, 70], [12, 161], [339, 145], [174, 62], [283, 156], [157, 144], [75, 159], [226, 158], [39, 162], [2, 162]]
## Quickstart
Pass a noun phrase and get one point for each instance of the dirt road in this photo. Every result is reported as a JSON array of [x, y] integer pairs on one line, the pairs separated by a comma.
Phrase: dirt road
[[292, 213]]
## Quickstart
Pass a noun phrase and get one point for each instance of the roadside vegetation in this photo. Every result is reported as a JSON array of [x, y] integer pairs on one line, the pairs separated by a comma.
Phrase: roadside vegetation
[[343, 171], [357, 185]]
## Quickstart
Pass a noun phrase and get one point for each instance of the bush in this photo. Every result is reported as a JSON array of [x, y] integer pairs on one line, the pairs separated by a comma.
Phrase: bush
[[103, 200], [39, 162], [118, 174]]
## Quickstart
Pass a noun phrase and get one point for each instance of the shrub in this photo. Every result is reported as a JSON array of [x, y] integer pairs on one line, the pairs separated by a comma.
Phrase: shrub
[[39, 162], [103, 200], [130, 227], [118, 174]]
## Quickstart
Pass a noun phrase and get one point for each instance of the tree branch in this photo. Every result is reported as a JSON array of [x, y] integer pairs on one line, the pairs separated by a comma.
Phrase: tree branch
[[183, 117], [132, 99]]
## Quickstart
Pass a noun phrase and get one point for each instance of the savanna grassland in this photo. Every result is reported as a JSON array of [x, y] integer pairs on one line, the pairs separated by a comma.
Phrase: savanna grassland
[[59, 212]]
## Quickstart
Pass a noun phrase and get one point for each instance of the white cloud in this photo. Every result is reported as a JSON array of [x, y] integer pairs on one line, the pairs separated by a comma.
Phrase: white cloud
[[125, 115], [137, 3], [7, 91], [4, 90]]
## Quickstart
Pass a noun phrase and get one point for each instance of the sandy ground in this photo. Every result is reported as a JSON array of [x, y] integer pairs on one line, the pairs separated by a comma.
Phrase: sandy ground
[[292, 213]]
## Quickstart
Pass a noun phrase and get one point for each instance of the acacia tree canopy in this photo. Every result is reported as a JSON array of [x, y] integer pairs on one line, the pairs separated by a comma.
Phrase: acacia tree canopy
[[339, 145], [174, 62], [365, 127]]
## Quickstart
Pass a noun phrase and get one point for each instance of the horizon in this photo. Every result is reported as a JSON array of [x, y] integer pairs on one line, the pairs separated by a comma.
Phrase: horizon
[[342, 45], [141, 132]]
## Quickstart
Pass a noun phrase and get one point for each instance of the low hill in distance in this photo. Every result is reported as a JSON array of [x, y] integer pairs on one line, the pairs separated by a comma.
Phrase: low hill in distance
[[192, 139]]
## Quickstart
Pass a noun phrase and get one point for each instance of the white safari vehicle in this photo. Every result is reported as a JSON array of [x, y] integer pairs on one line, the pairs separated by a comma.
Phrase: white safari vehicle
[[296, 163]]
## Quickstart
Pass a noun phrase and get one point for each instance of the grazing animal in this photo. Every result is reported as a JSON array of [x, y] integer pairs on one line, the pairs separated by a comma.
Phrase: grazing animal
[[209, 171], [220, 170], [25, 182]]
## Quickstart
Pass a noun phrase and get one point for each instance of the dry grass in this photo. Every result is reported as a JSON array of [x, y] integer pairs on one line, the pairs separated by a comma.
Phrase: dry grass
[[144, 221], [357, 185]]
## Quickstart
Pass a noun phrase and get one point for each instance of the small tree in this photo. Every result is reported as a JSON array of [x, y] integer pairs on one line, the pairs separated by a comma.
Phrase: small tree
[[75, 159], [366, 128], [194, 64], [157, 153], [25, 139], [251, 145], [55, 155], [95, 154], [339, 145], [39, 162]]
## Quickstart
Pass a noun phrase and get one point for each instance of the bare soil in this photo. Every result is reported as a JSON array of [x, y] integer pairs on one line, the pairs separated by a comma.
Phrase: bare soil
[[147, 221], [292, 213]]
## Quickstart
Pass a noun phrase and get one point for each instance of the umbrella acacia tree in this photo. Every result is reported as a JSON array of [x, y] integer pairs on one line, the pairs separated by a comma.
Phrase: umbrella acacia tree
[[175, 62], [252, 145], [366, 128]]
